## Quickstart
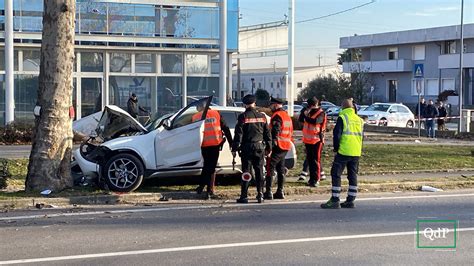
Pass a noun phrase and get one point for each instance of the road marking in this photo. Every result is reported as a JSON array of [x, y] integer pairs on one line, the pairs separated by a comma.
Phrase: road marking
[[216, 246], [54, 215]]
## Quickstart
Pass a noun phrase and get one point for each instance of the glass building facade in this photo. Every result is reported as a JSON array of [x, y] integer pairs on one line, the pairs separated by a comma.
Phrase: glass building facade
[[166, 54]]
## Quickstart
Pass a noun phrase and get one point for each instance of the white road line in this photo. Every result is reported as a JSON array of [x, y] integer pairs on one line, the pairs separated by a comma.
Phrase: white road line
[[53, 215], [216, 246]]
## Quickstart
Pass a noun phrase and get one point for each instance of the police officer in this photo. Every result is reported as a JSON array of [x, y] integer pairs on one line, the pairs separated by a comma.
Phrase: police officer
[[281, 127], [348, 135], [213, 140], [253, 141], [313, 137]]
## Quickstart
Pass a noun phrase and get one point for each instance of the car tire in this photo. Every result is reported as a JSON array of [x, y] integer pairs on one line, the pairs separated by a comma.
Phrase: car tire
[[383, 122], [410, 124], [123, 172]]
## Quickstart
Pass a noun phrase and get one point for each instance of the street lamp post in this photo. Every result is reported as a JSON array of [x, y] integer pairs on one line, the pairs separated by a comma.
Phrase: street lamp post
[[461, 58], [253, 84]]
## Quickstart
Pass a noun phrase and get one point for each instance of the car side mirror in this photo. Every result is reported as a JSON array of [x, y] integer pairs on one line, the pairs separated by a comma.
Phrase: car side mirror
[[392, 111], [167, 124]]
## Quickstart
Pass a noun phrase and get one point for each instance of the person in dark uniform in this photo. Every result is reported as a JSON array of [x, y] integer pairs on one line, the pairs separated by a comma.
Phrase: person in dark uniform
[[253, 141], [213, 140], [133, 107], [281, 127]]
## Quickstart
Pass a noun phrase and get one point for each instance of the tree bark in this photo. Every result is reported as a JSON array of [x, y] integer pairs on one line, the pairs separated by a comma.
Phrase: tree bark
[[50, 158]]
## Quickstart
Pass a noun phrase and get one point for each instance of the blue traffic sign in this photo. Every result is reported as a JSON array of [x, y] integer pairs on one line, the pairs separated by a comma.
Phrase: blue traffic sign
[[418, 71]]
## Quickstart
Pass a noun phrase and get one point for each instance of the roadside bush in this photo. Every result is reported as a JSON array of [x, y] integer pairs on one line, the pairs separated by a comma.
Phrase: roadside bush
[[4, 173], [16, 133]]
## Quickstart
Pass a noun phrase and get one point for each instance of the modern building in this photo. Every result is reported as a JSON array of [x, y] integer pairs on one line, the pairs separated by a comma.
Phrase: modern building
[[165, 51], [390, 59], [273, 80]]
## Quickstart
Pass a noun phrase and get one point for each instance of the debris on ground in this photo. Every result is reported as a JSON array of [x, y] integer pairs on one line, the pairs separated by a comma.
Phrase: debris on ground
[[430, 189]]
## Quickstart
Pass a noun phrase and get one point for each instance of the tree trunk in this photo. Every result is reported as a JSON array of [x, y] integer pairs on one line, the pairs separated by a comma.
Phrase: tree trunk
[[50, 158]]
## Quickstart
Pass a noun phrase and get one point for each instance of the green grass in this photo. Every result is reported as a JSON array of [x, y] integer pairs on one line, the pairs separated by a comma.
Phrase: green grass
[[387, 158]]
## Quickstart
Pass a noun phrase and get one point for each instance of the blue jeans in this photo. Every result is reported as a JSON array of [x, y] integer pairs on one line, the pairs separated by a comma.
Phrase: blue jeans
[[430, 131]]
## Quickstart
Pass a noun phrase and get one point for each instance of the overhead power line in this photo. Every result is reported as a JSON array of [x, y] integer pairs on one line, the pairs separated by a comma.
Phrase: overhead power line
[[336, 13]]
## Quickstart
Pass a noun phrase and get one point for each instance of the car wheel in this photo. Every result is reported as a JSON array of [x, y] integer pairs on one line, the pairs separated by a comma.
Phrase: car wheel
[[410, 124], [383, 122], [123, 173]]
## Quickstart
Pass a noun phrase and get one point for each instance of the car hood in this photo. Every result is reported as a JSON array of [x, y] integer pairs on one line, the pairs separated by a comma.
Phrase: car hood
[[116, 122]]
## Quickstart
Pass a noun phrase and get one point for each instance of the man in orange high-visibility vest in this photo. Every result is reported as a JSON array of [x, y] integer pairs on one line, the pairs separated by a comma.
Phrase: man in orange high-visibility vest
[[313, 137], [281, 127], [210, 147]]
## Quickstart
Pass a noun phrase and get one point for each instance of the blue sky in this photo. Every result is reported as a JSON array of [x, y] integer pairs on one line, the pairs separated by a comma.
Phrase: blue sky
[[321, 37]]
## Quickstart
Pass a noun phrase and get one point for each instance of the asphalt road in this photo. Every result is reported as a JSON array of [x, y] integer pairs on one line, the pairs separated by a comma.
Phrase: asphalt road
[[381, 230]]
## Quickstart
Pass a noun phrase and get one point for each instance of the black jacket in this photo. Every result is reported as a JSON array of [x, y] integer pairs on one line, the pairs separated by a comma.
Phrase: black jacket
[[133, 108], [442, 112], [430, 111], [251, 129], [422, 109]]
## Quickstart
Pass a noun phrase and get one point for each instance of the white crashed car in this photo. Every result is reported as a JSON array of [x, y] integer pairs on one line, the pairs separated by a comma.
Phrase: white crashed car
[[124, 152], [388, 114]]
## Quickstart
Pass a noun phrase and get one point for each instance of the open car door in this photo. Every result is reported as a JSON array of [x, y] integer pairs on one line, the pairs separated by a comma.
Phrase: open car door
[[179, 144]]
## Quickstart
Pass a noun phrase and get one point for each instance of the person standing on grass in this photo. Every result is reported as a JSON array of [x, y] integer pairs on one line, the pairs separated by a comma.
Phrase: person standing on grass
[[347, 141], [442, 114]]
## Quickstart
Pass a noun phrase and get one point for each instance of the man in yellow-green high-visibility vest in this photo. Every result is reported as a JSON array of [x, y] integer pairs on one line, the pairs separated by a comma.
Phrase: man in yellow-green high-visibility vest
[[348, 135]]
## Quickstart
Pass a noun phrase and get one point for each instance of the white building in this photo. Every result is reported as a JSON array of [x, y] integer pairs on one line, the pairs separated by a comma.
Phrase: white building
[[273, 80]]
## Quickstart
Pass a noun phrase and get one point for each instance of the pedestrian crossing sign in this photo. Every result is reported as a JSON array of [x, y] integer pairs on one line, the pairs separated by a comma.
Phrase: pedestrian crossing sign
[[418, 71]]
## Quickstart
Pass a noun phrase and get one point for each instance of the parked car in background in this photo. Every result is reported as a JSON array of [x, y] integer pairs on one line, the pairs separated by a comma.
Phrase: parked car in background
[[388, 114], [333, 112], [296, 109], [361, 107], [326, 105], [123, 152]]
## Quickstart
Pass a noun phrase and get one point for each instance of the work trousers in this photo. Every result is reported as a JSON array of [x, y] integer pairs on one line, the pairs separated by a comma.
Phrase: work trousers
[[210, 155], [313, 156], [430, 130], [352, 164], [252, 157], [276, 162]]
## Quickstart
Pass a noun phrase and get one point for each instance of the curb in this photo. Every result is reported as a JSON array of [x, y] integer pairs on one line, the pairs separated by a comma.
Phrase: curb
[[229, 194]]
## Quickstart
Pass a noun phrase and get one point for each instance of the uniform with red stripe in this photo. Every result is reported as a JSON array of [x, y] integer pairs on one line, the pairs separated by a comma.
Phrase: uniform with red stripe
[[213, 139], [281, 127], [252, 140], [314, 127]]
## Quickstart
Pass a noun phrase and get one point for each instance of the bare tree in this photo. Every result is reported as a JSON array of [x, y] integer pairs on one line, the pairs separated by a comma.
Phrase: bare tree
[[50, 157]]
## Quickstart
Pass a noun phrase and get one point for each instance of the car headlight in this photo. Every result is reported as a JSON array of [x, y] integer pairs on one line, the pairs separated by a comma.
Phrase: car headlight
[[376, 115]]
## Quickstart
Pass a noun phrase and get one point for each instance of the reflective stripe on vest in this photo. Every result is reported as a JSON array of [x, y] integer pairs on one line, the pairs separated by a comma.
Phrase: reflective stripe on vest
[[212, 128], [311, 132], [352, 133], [255, 120], [284, 136]]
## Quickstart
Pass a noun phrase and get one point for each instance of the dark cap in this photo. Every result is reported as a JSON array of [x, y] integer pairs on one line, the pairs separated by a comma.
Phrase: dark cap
[[249, 99], [312, 101], [275, 100], [134, 95]]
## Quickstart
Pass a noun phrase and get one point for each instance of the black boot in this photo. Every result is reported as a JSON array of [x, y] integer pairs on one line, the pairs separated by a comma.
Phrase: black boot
[[260, 184], [268, 188], [332, 203], [243, 192], [199, 189], [279, 194]]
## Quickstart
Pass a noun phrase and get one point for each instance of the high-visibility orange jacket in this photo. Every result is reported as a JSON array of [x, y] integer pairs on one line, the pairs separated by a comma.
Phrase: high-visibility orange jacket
[[312, 131], [284, 136], [212, 128]]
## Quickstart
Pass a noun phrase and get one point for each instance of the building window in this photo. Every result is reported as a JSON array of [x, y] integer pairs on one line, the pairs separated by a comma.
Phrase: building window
[[197, 64], [200, 87], [215, 64], [169, 94], [260, 85], [120, 62], [413, 87], [31, 60], [448, 84], [145, 63], [299, 85], [419, 52], [392, 53], [171, 63], [450, 47], [120, 89], [271, 84], [278, 85], [91, 96], [92, 62], [25, 93], [432, 87]]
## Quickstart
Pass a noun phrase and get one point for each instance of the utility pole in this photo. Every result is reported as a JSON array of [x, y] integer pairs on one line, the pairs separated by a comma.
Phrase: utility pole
[[291, 58], [239, 86], [461, 58], [319, 59], [223, 53]]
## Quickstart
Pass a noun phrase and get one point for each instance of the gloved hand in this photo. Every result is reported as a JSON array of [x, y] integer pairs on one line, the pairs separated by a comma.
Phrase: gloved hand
[[268, 152], [234, 154]]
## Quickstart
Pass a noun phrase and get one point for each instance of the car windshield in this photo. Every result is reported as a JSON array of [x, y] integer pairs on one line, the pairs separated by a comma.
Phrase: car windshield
[[378, 107], [156, 121]]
